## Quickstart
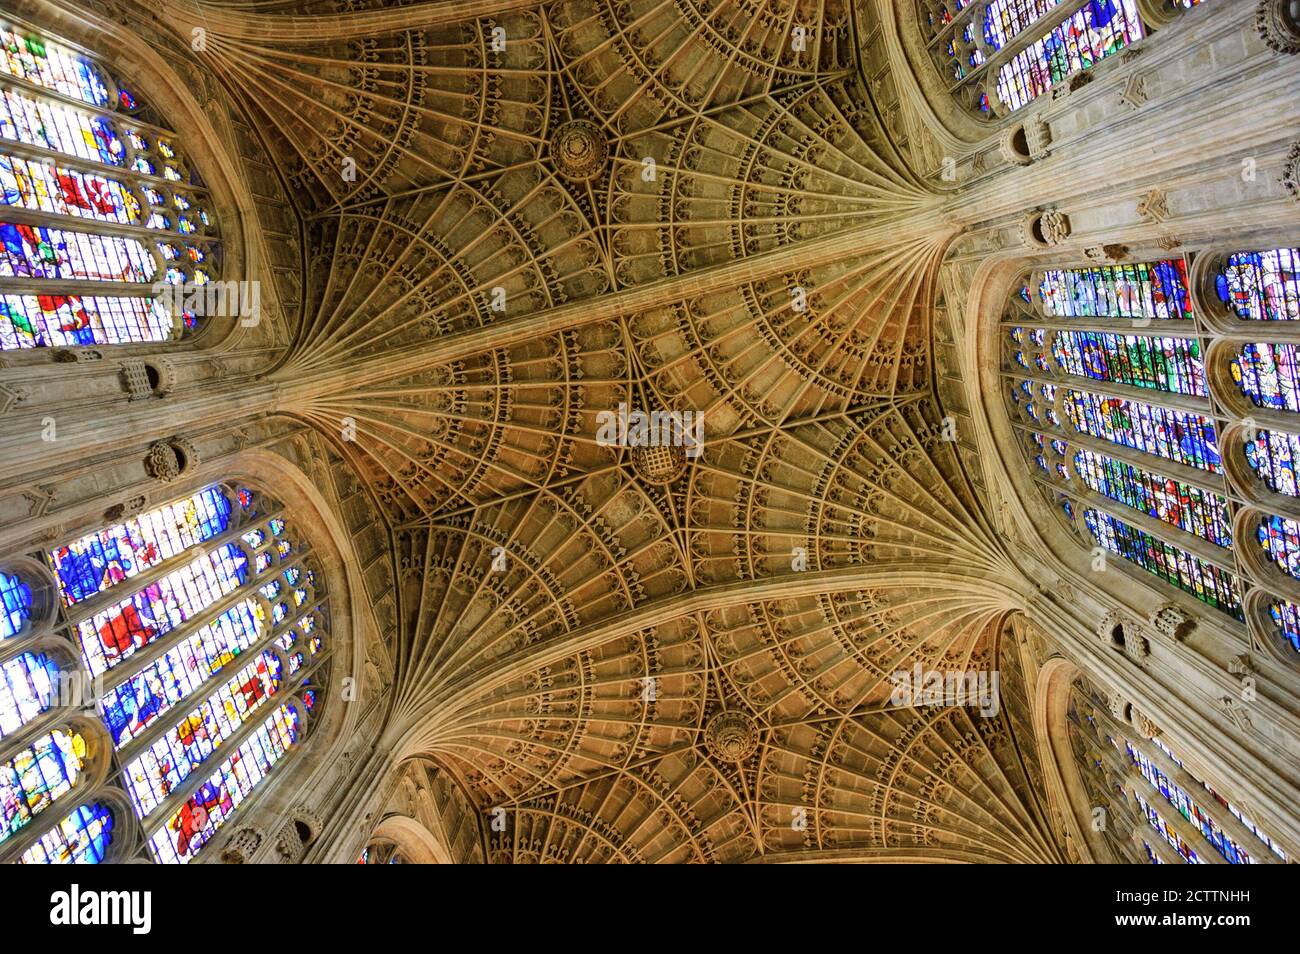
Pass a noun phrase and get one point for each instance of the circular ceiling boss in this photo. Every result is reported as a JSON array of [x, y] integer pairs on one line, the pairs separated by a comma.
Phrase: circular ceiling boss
[[731, 736], [659, 465], [579, 150]]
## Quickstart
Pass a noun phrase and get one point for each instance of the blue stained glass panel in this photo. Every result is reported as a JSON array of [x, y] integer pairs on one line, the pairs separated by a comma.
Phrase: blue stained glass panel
[[1261, 286], [80, 839], [37, 776], [1143, 290], [117, 632], [1172, 501], [54, 126], [1273, 455], [47, 321], [49, 64], [133, 706], [1206, 582], [1269, 374], [100, 560], [154, 773], [222, 792], [1003, 19], [1280, 539], [15, 605], [1174, 435], [1100, 28], [1172, 365], [27, 688], [1286, 616], [37, 251]]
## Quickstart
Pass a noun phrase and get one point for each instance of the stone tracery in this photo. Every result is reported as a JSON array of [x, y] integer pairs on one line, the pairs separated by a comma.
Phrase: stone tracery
[[492, 263]]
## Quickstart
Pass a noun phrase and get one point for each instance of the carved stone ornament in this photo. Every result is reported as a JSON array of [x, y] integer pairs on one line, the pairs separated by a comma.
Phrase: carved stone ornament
[[1055, 226], [1045, 229], [1154, 206], [127, 508], [135, 376], [309, 824], [1135, 91], [1105, 254], [579, 150], [1278, 23], [1172, 621], [1038, 135], [1144, 725], [1291, 172], [162, 463], [75, 355], [288, 844], [1014, 146], [731, 736], [167, 460], [658, 465], [243, 845], [1237, 711]]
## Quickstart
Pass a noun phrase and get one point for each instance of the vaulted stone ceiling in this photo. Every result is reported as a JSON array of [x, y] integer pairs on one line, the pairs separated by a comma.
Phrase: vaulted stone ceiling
[[495, 260]]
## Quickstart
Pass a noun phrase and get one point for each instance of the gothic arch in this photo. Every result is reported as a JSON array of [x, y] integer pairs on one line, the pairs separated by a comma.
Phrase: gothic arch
[[413, 840], [196, 117]]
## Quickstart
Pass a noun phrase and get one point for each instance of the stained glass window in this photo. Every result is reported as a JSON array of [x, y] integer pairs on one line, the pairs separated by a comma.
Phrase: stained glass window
[[100, 560], [229, 605], [1145, 290], [1174, 435], [45, 63], [114, 634], [1280, 539], [1286, 616], [1003, 19], [1273, 455], [37, 252], [1189, 573], [39, 321], [166, 763], [1262, 286], [42, 187], [15, 605], [137, 179], [81, 839], [1181, 505], [216, 799], [1188, 808], [37, 776], [1157, 821], [1097, 30], [27, 688], [1160, 363], [134, 705], [1269, 375]]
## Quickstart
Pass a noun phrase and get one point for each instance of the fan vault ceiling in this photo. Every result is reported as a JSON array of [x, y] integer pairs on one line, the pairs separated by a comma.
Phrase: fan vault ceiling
[[530, 215]]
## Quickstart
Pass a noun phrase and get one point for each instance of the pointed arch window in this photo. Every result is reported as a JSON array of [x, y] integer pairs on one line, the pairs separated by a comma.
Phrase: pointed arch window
[[96, 197], [998, 56], [206, 619], [1160, 798], [1110, 373]]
